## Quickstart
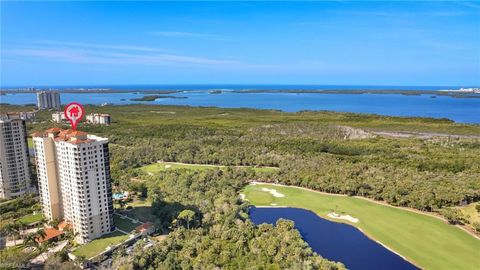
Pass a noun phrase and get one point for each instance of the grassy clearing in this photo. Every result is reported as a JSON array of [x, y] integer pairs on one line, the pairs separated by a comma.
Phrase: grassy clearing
[[29, 219], [99, 245], [163, 166], [470, 213], [124, 224], [141, 210], [427, 241]]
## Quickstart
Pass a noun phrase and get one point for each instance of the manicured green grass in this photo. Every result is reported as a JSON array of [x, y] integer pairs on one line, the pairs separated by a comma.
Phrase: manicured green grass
[[141, 210], [163, 166], [124, 224], [32, 218], [99, 245], [30, 143], [140, 202], [426, 241]]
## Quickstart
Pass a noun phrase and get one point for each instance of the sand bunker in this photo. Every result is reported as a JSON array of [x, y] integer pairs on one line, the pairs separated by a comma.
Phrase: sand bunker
[[274, 192], [168, 166], [242, 197], [344, 217]]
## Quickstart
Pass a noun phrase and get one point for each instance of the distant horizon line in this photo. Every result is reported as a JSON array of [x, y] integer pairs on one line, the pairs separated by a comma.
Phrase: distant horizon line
[[226, 84]]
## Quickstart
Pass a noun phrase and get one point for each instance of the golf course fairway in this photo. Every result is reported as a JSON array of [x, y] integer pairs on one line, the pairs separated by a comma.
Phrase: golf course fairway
[[426, 241]]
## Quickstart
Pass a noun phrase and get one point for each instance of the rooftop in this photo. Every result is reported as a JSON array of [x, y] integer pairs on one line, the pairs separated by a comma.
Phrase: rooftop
[[144, 226], [54, 129], [50, 234], [67, 135], [62, 226]]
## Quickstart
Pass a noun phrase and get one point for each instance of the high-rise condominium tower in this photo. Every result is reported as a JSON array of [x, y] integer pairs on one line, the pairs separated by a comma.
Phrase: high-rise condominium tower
[[73, 171], [48, 100], [14, 168]]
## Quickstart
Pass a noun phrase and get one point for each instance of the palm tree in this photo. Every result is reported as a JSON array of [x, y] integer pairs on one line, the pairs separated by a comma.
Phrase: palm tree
[[40, 234], [54, 223], [30, 240], [13, 230], [21, 226], [70, 235], [10, 230]]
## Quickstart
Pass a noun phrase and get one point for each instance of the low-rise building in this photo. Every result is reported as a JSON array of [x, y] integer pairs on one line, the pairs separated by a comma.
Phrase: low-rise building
[[27, 116], [50, 235], [58, 117], [99, 119], [146, 228]]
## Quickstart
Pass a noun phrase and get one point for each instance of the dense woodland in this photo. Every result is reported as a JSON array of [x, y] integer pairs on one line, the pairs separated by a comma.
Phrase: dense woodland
[[314, 150], [332, 152], [218, 234]]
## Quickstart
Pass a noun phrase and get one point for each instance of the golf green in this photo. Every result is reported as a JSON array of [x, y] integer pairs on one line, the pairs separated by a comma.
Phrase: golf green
[[426, 241]]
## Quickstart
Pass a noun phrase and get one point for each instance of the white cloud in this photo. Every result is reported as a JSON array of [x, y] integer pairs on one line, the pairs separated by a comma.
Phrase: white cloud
[[81, 52], [102, 46], [98, 54], [189, 35], [101, 57]]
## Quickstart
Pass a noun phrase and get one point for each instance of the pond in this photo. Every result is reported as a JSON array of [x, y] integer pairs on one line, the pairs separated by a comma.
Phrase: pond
[[117, 196], [335, 241]]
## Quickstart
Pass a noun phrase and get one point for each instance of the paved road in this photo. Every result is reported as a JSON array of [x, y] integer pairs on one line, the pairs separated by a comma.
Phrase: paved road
[[40, 259]]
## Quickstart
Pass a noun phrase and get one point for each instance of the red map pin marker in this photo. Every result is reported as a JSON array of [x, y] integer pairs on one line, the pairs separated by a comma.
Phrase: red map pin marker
[[74, 113]]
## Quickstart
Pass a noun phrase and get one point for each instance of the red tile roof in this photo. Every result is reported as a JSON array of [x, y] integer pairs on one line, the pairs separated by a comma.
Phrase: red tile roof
[[54, 129], [63, 225], [77, 133], [51, 233], [66, 135], [144, 226]]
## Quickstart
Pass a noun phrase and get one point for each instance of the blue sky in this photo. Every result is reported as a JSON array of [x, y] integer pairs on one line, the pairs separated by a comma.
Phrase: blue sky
[[341, 42]]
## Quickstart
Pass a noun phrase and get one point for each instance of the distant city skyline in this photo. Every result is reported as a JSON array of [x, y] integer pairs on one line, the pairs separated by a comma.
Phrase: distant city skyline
[[161, 43]]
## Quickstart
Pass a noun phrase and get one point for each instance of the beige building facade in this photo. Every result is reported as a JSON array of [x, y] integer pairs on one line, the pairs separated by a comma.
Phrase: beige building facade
[[99, 119], [73, 171]]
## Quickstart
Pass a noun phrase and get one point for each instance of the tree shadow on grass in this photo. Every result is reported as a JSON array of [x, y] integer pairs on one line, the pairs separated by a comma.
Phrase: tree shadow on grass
[[161, 213]]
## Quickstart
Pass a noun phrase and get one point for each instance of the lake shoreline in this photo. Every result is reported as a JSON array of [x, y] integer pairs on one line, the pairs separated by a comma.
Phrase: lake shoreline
[[359, 226], [407, 92], [452, 93], [346, 223], [430, 214], [460, 110]]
